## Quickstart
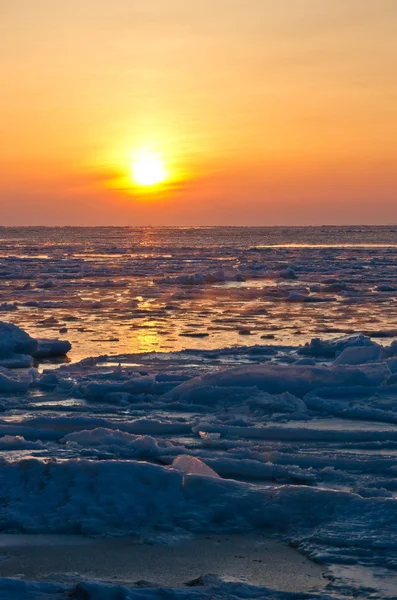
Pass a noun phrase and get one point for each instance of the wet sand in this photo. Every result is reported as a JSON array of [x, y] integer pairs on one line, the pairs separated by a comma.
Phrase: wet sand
[[248, 558]]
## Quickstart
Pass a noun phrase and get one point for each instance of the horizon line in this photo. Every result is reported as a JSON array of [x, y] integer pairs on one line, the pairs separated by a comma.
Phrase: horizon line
[[195, 226]]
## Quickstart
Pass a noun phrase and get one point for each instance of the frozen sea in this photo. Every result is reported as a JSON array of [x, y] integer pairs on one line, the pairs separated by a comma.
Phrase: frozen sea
[[217, 382]]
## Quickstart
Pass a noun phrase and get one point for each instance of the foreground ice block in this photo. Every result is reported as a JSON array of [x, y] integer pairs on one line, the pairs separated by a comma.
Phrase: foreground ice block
[[277, 379]]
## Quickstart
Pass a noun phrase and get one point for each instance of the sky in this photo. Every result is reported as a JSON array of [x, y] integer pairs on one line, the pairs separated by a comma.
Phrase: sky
[[261, 112]]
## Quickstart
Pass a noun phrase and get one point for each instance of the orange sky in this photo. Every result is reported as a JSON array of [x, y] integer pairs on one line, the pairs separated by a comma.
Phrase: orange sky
[[264, 112]]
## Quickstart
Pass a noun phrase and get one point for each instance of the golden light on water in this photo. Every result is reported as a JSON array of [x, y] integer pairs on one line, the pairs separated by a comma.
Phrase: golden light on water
[[148, 169]]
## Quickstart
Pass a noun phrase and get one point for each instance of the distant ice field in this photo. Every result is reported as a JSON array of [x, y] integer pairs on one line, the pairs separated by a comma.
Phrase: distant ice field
[[118, 290]]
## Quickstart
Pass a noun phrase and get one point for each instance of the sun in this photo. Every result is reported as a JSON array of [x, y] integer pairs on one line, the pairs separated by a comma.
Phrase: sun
[[148, 169]]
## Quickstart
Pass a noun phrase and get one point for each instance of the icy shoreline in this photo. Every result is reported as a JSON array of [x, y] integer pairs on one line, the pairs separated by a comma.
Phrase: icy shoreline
[[256, 560]]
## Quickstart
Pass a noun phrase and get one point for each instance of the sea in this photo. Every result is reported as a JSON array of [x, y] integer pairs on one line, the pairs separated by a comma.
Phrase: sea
[[205, 381]]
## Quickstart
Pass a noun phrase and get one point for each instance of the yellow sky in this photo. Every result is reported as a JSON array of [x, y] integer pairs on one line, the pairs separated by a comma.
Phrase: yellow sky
[[264, 112]]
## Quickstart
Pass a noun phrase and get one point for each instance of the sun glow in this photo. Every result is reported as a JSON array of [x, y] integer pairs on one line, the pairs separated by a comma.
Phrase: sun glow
[[148, 169]]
